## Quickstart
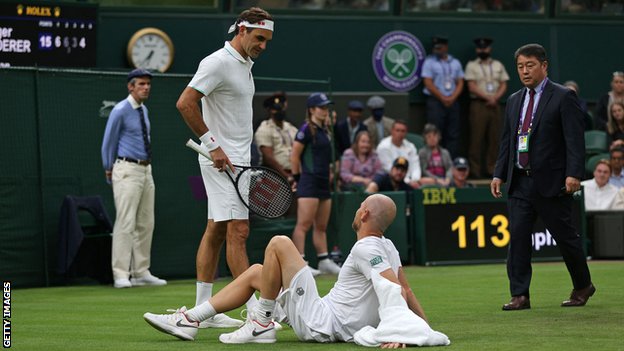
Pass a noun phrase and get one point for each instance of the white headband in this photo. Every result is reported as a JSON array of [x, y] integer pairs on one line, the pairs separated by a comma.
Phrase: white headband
[[263, 24]]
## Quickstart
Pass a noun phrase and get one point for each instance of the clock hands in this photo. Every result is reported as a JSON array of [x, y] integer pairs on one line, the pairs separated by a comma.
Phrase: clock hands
[[147, 59]]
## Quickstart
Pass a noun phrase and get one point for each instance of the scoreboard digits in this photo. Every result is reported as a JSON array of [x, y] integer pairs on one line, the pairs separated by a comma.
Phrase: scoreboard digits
[[53, 35]]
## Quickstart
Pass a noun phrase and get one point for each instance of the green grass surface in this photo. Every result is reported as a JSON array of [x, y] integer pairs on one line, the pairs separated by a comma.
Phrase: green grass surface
[[462, 301]]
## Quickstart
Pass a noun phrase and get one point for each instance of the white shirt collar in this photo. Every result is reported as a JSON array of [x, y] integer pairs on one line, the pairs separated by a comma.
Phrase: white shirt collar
[[133, 102], [230, 49]]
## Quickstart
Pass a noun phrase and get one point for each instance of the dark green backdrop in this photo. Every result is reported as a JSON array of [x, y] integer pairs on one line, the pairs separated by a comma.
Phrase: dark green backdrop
[[340, 47]]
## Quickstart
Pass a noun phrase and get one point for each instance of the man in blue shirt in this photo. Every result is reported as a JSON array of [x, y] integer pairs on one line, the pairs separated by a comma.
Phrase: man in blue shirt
[[443, 77], [617, 174], [126, 156]]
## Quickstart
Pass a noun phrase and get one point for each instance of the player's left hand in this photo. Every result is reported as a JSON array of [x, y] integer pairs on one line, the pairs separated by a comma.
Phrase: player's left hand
[[392, 345]]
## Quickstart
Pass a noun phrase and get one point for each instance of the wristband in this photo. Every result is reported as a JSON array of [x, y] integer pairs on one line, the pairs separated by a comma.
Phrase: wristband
[[209, 141], [296, 177]]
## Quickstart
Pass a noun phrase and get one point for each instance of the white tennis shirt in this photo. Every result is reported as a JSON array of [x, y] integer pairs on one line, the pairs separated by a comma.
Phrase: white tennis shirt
[[225, 80], [353, 300]]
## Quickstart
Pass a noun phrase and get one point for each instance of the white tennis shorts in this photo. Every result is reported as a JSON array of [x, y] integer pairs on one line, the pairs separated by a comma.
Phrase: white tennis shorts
[[223, 201], [309, 317]]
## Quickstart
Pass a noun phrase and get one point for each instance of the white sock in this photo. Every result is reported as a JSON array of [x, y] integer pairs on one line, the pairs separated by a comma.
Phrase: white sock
[[265, 311], [201, 312], [252, 303], [204, 292]]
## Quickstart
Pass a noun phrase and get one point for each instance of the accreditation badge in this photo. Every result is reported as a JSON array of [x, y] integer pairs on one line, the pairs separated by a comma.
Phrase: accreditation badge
[[489, 87], [448, 84], [523, 142]]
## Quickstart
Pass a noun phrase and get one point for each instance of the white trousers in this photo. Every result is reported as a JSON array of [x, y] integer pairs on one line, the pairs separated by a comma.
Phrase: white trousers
[[133, 189]]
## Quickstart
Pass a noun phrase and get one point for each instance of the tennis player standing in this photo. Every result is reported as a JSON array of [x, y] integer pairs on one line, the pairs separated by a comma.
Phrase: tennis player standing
[[224, 84]]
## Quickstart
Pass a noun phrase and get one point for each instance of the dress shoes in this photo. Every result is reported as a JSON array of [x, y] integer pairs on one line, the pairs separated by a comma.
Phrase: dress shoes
[[579, 297], [517, 303]]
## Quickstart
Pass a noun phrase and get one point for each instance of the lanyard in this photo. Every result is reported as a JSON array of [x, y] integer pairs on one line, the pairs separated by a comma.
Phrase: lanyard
[[491, 77], [537, 93], [447, 74], [281, 132]]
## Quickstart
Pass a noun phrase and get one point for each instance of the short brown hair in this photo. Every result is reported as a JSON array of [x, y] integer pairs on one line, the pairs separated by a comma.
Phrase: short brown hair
[[605, 162]]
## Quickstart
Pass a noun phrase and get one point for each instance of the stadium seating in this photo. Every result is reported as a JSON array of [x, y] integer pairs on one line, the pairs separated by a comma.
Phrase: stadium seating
[[416, 139], [590, 164], [595, 142]]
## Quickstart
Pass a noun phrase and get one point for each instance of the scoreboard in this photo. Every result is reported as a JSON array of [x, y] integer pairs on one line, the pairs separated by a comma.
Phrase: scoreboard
[[48, 34]]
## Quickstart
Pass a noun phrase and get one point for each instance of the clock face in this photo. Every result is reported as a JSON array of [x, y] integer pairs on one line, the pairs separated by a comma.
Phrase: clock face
[[150, 48]]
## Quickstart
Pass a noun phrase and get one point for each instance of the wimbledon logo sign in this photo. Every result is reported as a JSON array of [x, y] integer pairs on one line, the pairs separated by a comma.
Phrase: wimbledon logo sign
[[397, 60]]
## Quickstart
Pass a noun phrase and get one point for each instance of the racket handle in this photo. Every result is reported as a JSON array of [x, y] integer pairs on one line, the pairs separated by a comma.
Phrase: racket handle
[[198, 148]]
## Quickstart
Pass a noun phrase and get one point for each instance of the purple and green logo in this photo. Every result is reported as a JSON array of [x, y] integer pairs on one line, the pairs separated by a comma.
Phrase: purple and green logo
[[397, 60]]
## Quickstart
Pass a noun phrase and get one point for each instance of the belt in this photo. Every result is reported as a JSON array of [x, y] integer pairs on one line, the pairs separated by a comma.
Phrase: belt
[[523, 172], [140, 162]]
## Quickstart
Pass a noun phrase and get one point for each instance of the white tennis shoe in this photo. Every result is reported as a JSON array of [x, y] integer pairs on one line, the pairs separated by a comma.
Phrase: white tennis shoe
[[251, 332], [148, 279], [247, 317], [176, 323], [328, 266], [221, 320]]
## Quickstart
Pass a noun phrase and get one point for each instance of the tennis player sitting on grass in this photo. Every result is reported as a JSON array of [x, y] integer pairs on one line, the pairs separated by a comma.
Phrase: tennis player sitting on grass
[[351, 305]]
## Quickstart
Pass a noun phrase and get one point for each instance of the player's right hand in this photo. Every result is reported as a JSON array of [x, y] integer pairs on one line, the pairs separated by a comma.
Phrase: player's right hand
[[220, 160]]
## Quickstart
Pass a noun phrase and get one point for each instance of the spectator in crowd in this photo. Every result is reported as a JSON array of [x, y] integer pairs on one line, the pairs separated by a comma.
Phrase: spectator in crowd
[[392, 181], [617, 161], [460, 174], [435, 161], [618, 201], [615, 95], [443, 78], [126, 156], [599, 194], [310, 163], [359, 163], [615, 125], [572, 85], [346, 130], [378, 124], [394, 146], [487, 83], [275, 136]]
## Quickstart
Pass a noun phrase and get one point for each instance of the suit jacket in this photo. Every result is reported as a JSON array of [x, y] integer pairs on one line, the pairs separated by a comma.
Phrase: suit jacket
[[342, 137], [372, 128], [556, 143]]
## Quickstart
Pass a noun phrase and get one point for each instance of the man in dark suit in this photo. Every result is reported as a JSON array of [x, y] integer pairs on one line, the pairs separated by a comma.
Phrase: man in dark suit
[[346, 130], [541, 159]]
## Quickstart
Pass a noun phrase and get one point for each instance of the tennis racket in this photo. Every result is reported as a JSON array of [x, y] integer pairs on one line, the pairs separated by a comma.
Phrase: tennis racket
[[262, 190]]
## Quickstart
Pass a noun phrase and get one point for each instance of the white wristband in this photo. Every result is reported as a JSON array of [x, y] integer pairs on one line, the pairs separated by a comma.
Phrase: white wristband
[[209, 141]]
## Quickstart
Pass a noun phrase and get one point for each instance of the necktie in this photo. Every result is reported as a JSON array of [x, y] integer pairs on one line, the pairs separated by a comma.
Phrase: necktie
[[523, 158], [146, 142]]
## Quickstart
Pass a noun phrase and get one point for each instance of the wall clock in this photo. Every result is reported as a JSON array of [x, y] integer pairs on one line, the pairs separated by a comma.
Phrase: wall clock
[[150, 48]]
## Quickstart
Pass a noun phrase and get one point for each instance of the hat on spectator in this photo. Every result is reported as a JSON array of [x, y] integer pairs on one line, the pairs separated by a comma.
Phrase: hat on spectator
[[460, 163], [275, 101], [483, 43], [401, 162], [355, 105], [430, 128], [139, 72], [318, 99], [439, 40], [375, 102]]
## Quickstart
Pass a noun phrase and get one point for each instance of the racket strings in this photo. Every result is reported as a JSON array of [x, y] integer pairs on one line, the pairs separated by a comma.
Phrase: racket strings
[[269, 194]]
